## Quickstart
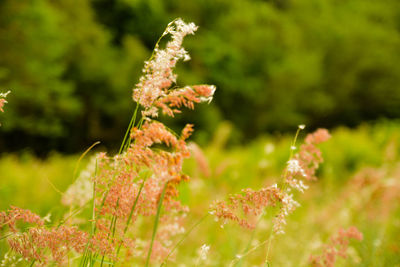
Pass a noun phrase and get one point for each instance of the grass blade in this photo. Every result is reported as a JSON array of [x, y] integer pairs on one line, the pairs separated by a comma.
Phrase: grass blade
[[156, 220]]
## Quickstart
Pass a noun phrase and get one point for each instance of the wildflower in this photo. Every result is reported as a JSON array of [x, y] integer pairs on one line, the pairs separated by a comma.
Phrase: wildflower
[[204, 251], [153, 90], [31, 244], [251, 203], [288, 206], [60, 241], [15, 214], [158, 74], [309, 156], [187, 96], [337, 247], [131, 184], [47, 218], [2, 100], [294, 166], [319, 136]]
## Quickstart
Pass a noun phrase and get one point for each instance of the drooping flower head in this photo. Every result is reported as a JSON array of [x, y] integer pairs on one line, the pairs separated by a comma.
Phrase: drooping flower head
[[153, 92], [251, 203], [337, 247], [3, 100]]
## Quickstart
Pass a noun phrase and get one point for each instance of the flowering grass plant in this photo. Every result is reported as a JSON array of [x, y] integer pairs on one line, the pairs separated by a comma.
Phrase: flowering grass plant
[[3, 100], [139, 186]]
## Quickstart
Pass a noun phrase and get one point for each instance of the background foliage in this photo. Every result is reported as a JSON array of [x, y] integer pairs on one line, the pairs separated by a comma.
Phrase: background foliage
[[357, 185], [71, 65], [278, 63]]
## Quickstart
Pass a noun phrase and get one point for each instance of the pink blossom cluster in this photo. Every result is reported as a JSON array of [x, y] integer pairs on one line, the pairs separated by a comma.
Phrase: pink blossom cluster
[[379, 185], [337, 247], [301, 167], [251, 203], [153, 92], [15, 214], [120, 177], [34, 242], [309, 156], [132, 184], [3, 100]]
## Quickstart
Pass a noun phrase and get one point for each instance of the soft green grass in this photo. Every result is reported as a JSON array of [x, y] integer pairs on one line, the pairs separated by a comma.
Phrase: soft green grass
[[32, 183], [331, 202]]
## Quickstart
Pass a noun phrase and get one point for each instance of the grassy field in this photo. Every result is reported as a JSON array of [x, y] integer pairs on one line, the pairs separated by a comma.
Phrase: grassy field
[[358, 185]]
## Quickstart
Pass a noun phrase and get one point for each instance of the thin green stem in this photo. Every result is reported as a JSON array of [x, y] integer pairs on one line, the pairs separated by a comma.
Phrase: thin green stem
[[128, 143], [93, 212], [94, 202], [82, 156], [233, 262], [133, 207], [5, 236], [283, 188], [124, 145], [85, 256], [292, 148], [102, 261], [112, 229], [131, 123], [94, 259], [71, 214], [183, 239], [115, 220], [251, 238], [269, 245], [83, 259], [156, 221]]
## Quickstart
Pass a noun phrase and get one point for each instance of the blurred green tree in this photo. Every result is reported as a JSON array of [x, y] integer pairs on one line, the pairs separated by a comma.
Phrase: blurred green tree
[[69, 83], [276, 63]]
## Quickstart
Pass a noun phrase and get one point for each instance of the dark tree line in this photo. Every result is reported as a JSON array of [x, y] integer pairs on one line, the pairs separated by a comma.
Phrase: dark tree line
[[71, 65]]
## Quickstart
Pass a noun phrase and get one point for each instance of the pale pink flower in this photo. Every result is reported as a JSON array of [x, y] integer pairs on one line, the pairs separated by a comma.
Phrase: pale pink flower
[[3, 100], [337, 247], [252, 203], [130, 184], [15, 214], [153, 90]]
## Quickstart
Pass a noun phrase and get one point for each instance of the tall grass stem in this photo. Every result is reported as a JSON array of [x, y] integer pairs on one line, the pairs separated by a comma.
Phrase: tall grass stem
[[156, 221]]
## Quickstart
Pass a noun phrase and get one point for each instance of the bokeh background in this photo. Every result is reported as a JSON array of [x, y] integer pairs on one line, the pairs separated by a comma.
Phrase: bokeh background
[[71, 66]]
